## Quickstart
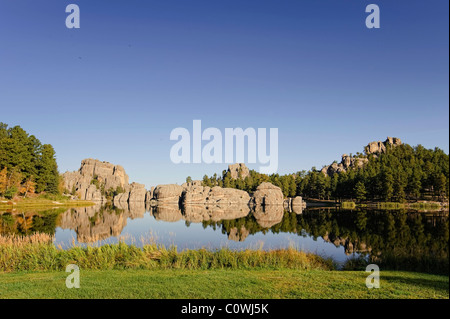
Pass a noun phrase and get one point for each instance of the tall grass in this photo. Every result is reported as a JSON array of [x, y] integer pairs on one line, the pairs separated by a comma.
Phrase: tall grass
[[32, 255]]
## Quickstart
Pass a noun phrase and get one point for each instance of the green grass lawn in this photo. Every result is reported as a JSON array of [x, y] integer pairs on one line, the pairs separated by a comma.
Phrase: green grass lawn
[[220, 283]]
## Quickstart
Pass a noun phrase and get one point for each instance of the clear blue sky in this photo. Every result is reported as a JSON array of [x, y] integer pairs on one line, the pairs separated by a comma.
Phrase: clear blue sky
[[115, 88]]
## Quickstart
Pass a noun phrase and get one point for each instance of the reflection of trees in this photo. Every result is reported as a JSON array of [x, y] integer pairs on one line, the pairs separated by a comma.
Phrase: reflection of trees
[[408, 239], [416, 241], [30, 222]]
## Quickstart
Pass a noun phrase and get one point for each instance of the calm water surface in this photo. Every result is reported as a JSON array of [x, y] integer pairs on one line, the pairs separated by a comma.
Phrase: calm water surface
[[330, 232]]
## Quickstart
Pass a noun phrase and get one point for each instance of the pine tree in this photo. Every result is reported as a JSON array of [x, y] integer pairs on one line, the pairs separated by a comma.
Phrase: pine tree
[[360, 191]]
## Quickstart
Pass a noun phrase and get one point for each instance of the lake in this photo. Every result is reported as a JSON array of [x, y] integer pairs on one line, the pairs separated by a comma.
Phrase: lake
[[328, 231]]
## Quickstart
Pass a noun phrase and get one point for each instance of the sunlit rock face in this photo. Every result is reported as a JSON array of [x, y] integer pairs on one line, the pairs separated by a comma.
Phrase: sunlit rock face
[[168, 194], [268, 194], [95, 178], [238, 170], [374, 148], [297, 205]]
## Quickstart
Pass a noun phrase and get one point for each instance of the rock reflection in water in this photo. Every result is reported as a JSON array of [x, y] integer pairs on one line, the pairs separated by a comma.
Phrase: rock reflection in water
[[96, 223], [268, 216], [409, 237], [167, 213], [200, 213]]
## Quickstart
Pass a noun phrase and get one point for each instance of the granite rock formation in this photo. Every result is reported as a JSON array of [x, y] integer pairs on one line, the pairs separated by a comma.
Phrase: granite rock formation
[[94, 178], [374, 148], [268, 194], [238, 170]]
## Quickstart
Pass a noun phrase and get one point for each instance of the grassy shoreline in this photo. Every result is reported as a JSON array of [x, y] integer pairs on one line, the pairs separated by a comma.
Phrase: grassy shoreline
[[38, 203], [37, 253], [32, 267]]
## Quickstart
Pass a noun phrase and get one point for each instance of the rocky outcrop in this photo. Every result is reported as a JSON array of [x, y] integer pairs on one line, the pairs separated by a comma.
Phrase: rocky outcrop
[[94, 178], [268, 194], [346, 163], [374, 148], [380, 147], [297, 205], [168, 194], [193, 194], [238, 170], [137, 193]]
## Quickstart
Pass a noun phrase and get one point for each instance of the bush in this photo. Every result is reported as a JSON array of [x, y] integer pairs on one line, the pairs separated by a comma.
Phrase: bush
[[10, 192]]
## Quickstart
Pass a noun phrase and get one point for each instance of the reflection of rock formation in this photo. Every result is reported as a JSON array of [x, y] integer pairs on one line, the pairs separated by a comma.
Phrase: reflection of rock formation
[[268, 216], [238, 234], [199, 213], [349, 247], [168, 213], [96, 223], [297, 205]]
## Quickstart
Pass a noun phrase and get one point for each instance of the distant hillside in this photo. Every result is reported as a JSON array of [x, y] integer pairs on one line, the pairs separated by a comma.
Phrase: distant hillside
[[386, 171]]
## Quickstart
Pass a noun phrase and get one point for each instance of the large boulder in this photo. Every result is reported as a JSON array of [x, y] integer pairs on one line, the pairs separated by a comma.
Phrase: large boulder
[[137, 193], [268, 194], [297, 205], [195, 194], [169, 193]]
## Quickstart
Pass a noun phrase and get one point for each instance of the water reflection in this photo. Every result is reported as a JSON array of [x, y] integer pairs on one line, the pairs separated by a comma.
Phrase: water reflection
[[408, 235]]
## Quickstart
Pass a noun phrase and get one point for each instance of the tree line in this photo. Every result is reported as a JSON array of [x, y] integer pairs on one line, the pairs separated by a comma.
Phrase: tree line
[[401, 173], [26, 165]]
